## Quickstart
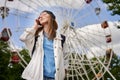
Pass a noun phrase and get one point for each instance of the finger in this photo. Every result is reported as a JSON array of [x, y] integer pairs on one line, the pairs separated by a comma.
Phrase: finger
[[37, 21]]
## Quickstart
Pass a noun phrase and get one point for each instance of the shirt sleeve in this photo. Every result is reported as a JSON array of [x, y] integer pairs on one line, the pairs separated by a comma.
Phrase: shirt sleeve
[[28, 38]]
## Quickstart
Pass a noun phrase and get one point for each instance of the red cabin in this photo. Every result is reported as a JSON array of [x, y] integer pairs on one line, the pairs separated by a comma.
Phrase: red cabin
[[109, 52], [104, 24], [108, 38], [5, 34], [15, 58], [88, 1]]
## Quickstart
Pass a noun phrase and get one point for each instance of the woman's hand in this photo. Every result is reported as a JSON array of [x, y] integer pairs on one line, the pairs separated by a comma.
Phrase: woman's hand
[[37, 24]]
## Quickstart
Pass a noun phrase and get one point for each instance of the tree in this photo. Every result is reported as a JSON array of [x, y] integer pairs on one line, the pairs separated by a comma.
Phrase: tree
[[8, 71], [114, 68], [114, 6], [4, 59]]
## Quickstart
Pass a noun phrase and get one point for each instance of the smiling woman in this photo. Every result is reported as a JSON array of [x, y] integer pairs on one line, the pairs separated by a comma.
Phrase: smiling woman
[[84, 48], [47, 62]]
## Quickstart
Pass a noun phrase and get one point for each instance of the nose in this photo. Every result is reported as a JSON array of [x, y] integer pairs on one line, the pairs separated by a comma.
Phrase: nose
[[40, 17]]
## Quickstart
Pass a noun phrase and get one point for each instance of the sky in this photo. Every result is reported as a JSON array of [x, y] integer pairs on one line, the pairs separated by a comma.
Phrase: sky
[[23, 13]]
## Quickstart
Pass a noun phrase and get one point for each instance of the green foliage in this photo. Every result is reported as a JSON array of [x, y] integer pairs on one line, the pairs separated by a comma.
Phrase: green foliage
[[114, 68], [8, 71], [24, 53], [114, 6]]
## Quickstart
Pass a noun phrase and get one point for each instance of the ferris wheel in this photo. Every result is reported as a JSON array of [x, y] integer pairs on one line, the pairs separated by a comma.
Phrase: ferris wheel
[[88, 48]]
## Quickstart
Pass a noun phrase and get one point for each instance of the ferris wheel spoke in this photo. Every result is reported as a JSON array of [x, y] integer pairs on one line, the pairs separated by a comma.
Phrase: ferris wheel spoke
[[81, 40], [82, 67], [90, 64], [29, 6], [102, 65], [87, 49]]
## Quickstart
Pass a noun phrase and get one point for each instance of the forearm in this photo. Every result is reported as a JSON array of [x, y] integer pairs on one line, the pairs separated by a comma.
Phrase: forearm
[[27, 34]]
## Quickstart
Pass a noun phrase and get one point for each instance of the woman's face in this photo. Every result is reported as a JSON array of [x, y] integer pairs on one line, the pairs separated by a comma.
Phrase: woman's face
[[44, 18]]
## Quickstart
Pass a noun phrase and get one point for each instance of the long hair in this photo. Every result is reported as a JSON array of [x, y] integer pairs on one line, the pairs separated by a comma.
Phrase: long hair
[[52, 28]]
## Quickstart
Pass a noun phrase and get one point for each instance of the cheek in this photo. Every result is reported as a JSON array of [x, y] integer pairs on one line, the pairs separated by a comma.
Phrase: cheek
[[43, 21]]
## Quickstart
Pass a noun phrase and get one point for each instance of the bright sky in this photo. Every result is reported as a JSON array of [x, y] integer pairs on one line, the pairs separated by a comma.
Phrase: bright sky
[[81, 15]]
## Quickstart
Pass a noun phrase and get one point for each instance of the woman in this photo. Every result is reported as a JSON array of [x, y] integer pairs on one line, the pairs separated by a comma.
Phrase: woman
[[47, 61]]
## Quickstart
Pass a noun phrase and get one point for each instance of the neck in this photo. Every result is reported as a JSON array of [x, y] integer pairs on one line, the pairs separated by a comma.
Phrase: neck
[[45, 29]]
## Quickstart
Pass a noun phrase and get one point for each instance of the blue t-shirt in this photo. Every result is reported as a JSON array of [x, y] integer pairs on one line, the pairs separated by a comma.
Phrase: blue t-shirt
[[49, 62]]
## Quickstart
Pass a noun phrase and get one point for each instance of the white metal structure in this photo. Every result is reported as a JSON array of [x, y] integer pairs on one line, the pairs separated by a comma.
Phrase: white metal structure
[[85, 47]]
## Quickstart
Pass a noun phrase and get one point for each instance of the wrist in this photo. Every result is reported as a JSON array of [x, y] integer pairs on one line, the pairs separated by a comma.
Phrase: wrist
[[35, 27]]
